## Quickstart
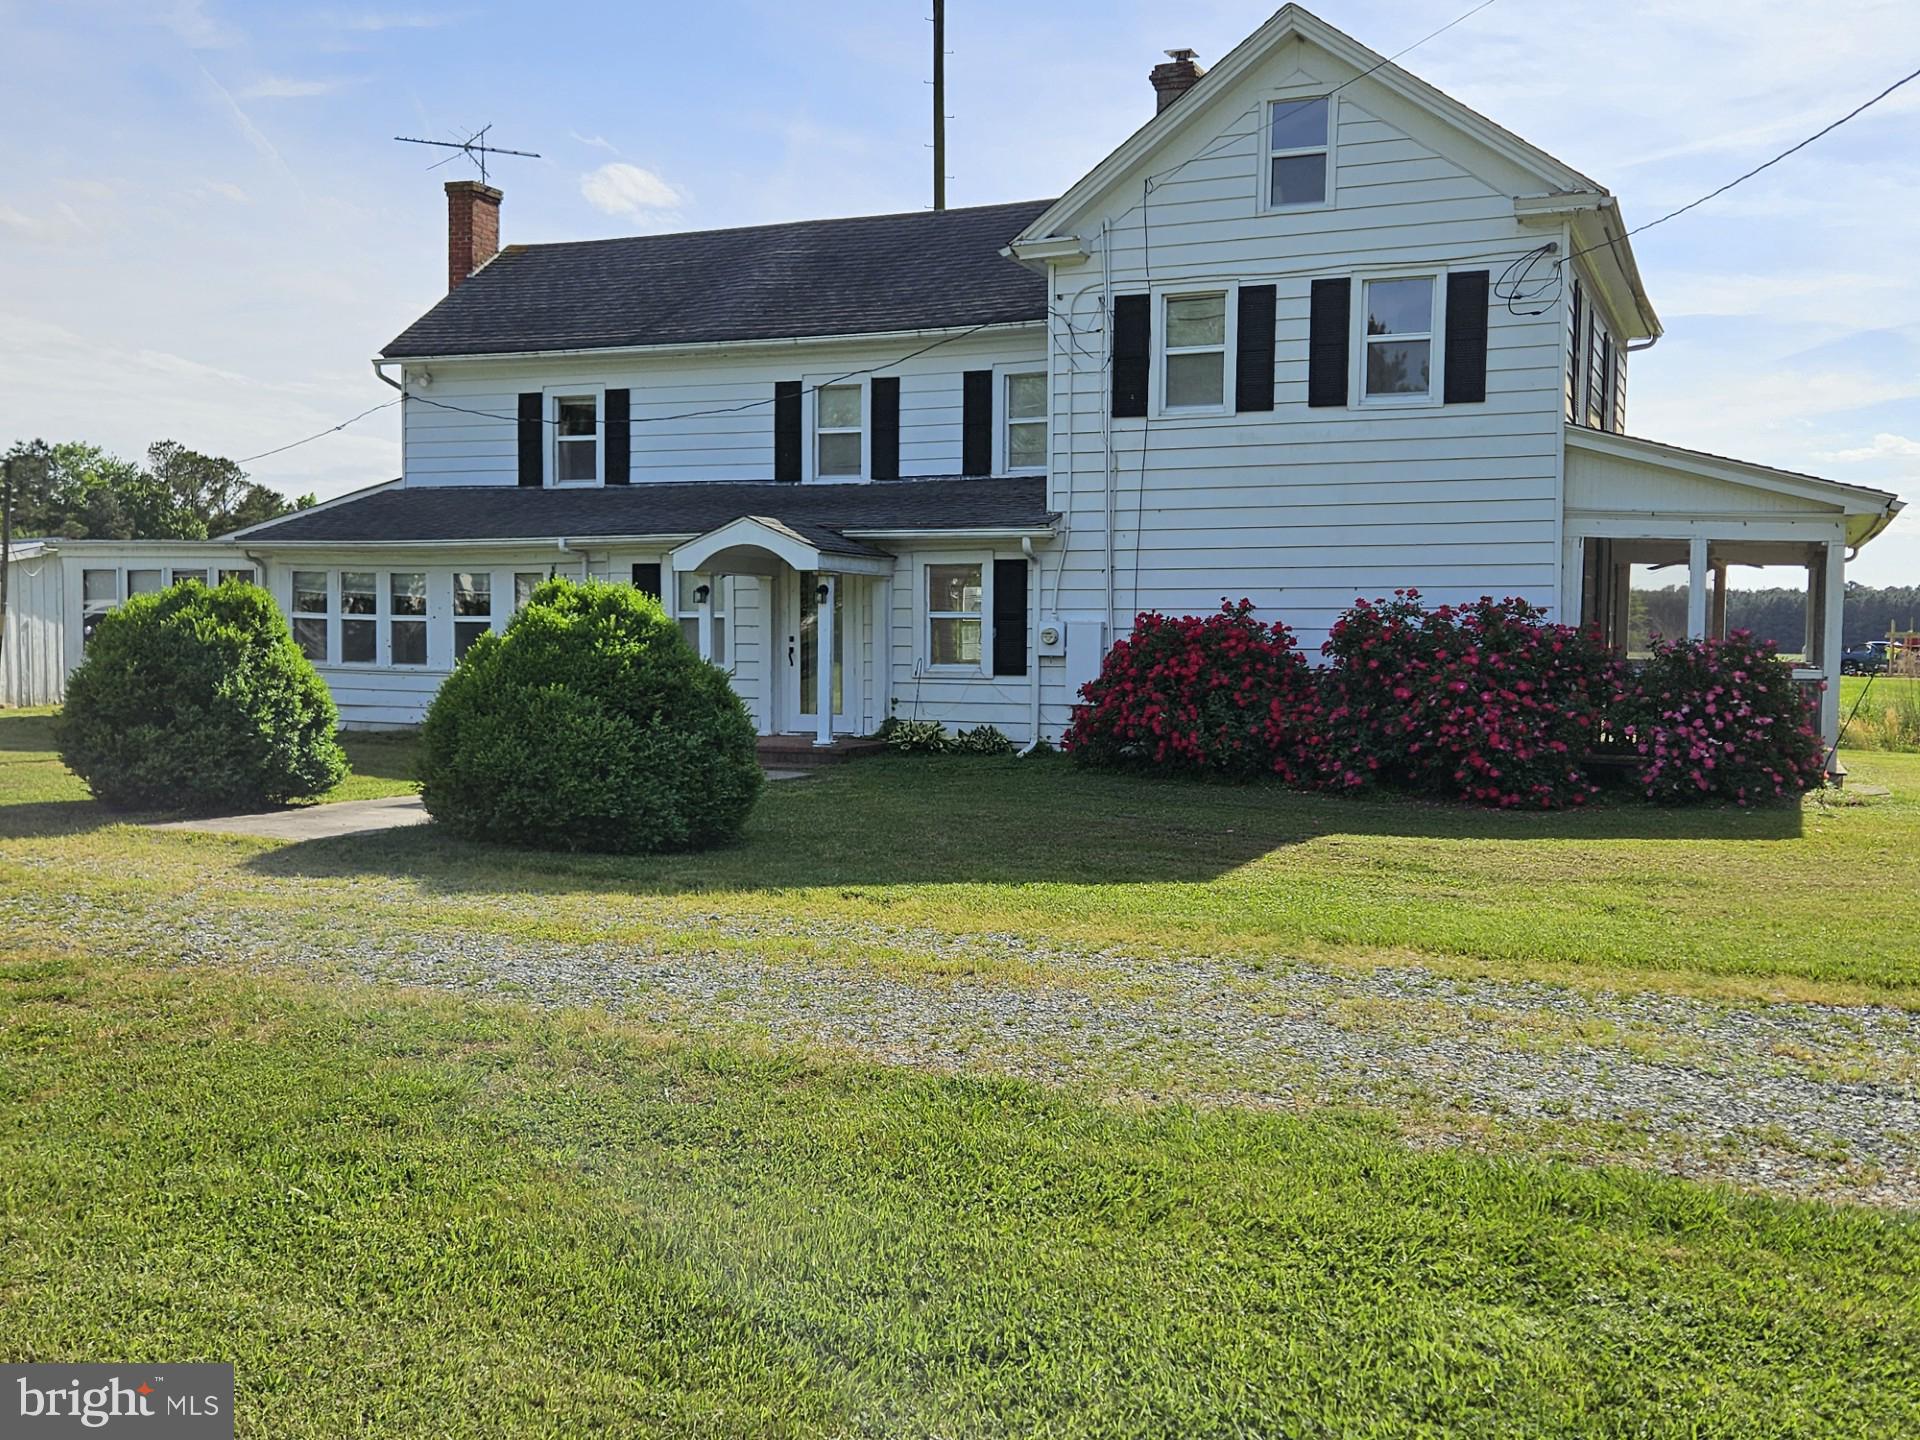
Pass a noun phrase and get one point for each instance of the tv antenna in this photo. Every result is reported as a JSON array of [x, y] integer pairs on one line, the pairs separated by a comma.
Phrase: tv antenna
[[474, 147]]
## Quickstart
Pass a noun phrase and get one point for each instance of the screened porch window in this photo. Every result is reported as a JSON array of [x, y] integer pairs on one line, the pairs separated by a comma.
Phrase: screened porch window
[[472, 608], [310, 614], [407, 630]]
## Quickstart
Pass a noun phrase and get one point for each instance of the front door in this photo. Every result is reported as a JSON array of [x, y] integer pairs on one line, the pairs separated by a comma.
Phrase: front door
[[800, 635]]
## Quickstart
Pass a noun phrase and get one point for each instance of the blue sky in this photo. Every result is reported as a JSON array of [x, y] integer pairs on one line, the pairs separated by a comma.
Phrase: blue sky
[[205, 228]]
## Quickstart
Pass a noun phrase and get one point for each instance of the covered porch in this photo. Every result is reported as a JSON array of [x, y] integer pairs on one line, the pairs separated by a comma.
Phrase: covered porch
[[1638, 512], [825, 601]]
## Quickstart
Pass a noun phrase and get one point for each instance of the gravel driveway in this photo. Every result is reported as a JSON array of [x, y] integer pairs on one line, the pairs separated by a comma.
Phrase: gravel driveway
[[1807, 1100]]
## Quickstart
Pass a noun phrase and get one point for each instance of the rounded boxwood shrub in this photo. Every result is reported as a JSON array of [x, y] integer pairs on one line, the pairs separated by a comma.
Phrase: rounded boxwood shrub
[[1720, 719], [1225, 695], [199, 699], [589, 725]]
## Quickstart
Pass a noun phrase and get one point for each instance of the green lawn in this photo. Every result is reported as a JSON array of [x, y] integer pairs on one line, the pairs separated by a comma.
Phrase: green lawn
[[406, 1214], [403, 1217], [1811, 901]]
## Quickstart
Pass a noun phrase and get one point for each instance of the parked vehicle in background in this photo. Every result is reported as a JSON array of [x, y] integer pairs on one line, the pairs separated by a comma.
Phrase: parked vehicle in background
[[1867, 659]]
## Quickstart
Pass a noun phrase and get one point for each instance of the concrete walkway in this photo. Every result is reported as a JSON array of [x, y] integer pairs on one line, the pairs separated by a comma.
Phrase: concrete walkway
[[314, 822]]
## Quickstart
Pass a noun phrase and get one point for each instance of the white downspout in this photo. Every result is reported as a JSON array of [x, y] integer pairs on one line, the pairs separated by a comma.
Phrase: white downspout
[[1033, 669]]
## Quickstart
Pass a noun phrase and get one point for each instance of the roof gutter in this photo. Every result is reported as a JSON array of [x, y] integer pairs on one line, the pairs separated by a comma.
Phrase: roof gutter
[[708, 347]]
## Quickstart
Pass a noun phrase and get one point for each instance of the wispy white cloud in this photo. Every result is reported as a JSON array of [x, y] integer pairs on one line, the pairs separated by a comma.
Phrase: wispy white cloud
[[375, 21], [249, 131], [289, 87], [195, 28], [58, 224], [597, 142], [223, 190], [1884, 447], [618, 188]]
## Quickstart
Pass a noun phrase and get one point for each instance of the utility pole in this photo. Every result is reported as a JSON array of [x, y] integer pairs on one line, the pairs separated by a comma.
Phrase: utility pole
[[939, 104]]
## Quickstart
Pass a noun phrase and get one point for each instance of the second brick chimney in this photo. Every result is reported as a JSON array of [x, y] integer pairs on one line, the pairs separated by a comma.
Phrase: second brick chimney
[[473, 228], [1174, 77]]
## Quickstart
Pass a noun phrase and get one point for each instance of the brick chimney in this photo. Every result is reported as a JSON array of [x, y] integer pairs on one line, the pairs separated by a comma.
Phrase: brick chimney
[[1175, 77], [473, 228]]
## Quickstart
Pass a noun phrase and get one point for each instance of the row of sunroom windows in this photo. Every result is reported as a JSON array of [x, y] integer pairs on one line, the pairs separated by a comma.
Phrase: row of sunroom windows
[[380, 617]]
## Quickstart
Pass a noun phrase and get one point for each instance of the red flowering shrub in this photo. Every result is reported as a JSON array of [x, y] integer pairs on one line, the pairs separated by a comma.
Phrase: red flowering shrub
[[1720, 719], [1226, 695], [1486, 702]]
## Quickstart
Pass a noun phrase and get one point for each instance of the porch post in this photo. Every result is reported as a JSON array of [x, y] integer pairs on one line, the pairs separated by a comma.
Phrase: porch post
[[1717, 625], [1833, 577], [708, 579], [823, 666], [1697, 588]]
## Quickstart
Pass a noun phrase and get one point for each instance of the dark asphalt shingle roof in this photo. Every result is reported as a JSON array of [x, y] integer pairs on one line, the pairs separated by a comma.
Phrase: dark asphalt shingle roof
[[862, 275], [820, 513]]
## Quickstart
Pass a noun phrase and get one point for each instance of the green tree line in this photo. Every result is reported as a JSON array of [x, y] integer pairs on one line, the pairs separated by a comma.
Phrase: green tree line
[[77, 491], [1779, 613]]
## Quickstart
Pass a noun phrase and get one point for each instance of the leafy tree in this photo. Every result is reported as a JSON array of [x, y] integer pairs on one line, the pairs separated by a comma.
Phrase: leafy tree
[[81, 492]]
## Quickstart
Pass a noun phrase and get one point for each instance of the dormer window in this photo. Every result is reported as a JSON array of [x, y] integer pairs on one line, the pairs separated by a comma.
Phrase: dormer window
[[1298, 153], [576, 440], [837, 431]]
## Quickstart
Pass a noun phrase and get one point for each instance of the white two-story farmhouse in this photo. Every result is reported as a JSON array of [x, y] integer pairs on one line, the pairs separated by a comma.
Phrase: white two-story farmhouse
[[1314, 331]]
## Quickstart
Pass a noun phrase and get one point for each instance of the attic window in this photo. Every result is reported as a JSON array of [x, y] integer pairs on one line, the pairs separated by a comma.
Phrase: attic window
[[1297, 153]]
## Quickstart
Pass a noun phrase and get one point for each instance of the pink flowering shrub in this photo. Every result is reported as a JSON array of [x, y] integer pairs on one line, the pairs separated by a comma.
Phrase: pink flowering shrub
[[1226, 695], [1719, 719], [1485, 702]]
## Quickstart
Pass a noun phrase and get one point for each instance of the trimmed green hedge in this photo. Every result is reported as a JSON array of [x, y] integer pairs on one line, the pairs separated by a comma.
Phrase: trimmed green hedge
[[198, 699], [589, 725]]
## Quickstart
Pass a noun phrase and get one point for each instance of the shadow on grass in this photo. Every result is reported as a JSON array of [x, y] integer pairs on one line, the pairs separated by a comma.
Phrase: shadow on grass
[[26, 731], [897, 821]]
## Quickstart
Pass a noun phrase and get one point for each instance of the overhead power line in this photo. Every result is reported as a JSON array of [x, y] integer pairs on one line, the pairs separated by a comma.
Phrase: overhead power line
[[1824, 131]]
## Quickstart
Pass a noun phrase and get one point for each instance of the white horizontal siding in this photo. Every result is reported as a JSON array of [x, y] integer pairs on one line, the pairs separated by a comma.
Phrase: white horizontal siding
[[731, 440], [1302, 510]]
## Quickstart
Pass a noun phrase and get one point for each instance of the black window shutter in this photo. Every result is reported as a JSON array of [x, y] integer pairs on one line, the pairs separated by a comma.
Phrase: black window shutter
[[1253, 349], [786, 430], [1327, 342], [619, 452], [532, 438], [1466, 337], [646, 579], [1009, 617], [1132, 348], [884, 446], [976, 422]]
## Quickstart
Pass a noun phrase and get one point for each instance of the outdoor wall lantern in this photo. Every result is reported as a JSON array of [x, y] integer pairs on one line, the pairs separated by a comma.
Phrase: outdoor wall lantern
[[700, 594], [822, 593]]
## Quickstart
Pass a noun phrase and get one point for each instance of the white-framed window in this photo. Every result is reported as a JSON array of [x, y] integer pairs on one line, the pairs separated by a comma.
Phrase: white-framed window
[[407, 627], [1398, 360], [144, 582], [957, 607], [688, 589], [525, 582], [99, 593], [839, 432], [1195, 332], [244, 575], [576, 438], [309, 613], [472, 608], [1300, 153], [1023, 406], [359, 617], [198, 577]]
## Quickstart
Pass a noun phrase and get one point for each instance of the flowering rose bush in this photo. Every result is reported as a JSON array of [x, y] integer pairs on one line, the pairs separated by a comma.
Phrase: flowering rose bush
[[1226, 694], [1487, 702], [1719, 719]]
